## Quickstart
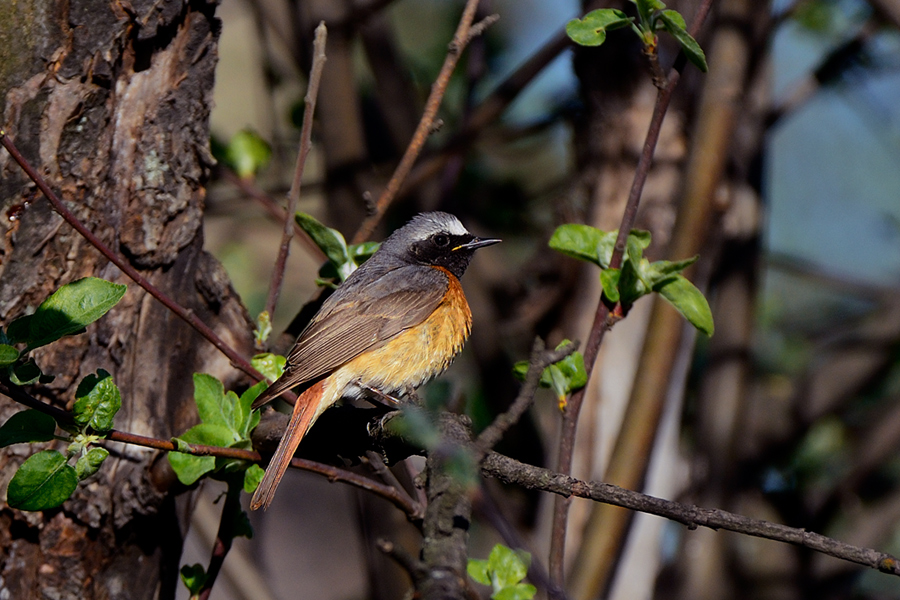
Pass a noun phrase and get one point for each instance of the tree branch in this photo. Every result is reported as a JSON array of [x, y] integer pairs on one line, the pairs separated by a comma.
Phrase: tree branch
[[186, 315], [460, 39], [603, 319], [312, 90], [334, 474], [512, 471]]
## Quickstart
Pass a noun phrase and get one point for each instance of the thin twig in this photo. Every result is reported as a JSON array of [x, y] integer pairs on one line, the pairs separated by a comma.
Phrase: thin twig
[[603, 320], [512, 471], [312, 91], [275, 211], [539, 361], [376, 463], [231, 510], [423, 130], [185, 314], [334, 474]]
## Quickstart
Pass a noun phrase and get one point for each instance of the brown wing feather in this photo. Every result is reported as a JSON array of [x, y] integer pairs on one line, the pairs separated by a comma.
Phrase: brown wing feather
[[359, 317]]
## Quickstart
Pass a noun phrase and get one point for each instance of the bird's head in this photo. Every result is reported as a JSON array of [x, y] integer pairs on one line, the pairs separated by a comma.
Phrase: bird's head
[[435, 239]]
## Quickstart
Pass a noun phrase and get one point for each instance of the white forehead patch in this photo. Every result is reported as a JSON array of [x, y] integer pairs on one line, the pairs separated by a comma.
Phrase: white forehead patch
[[440, 221]]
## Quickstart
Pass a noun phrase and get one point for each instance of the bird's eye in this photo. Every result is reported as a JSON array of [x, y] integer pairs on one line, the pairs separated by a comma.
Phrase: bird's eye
[[441, 239]]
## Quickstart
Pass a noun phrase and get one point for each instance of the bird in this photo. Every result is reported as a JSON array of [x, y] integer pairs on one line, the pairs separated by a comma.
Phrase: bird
[[396, 322]]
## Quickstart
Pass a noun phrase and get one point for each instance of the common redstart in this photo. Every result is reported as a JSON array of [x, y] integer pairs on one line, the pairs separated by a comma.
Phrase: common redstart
[[396, 322]]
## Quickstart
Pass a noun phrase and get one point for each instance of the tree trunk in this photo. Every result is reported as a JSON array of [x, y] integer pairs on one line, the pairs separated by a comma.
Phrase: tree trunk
[[112, 106]]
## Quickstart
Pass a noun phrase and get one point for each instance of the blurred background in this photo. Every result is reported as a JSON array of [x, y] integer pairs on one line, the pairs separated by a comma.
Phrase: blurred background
[[780, 167]]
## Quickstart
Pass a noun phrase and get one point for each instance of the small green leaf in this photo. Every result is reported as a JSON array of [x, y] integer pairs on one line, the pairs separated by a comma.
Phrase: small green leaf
[[673, 22], [252, 476], [69, 310], [609, 280], [25, 373], [263, 328], [689, 301], [45, 480], [97, 400], [27, 426], [190, 468], [214, 409], [646, 8], [584, 243], [8, 355], [247, 153], [478, 571], [242, 526], [360, 253], [246, 401], [509, 566], [641, 237], [663, 269], [330, 241], [90, 462], [592, 28], [270, 365], [193, 577], [520, 591]]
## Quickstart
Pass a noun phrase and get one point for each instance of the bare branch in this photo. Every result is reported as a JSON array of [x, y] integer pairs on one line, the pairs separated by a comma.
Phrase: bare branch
[[460, 39], [312, 91], [186, 315], [512, 471]]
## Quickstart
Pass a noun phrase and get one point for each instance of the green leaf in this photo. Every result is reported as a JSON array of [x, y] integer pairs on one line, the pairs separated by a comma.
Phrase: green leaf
[[360, 253], [330, 241], [45, 480], [242, 526], [27, 426], [520, 591], [508, 566], [190, 468], [564, 376], [247, 153], [609, 280], [263, 328], [90, 462], [97, 400], [25, 373], [212, 405], [584, 243], [252, 476], [673, 22], [193, 577], [663, 269], [270, 365], [8, 355], [689, 301], [591, 29], [70, 309], [19, 330], [646, 8], [478, 571]]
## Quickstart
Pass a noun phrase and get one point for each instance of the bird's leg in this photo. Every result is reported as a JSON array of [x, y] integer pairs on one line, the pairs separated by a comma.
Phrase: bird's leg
[[380, 396]]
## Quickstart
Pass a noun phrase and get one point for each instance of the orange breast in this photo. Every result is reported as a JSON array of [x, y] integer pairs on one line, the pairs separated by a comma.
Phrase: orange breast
[[417, 354]]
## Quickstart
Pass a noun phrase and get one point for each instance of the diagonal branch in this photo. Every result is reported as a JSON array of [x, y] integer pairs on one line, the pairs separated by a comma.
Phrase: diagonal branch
[[460, 40], [185, 314], [312, 90]]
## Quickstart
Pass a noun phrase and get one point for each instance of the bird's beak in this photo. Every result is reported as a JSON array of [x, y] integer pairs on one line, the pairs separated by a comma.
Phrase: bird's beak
[[477, 243]]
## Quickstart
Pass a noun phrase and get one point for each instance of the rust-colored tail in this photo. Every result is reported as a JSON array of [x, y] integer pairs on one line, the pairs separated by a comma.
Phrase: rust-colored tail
[[305, 410]]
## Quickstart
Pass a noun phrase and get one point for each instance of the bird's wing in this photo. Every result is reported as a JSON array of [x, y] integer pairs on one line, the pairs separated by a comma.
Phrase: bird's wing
[[359, 317]]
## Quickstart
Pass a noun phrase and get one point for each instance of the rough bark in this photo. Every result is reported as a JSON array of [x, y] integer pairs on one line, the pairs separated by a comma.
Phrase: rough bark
[[111, 102]]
